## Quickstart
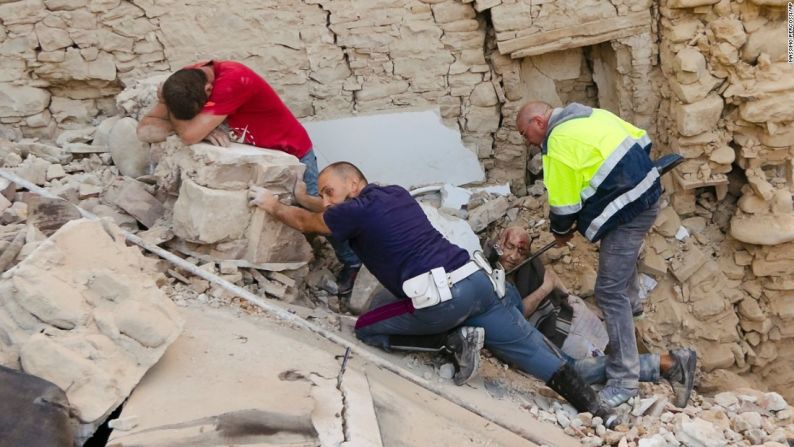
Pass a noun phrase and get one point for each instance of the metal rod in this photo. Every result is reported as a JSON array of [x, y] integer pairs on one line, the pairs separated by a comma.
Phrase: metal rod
[[543, 249], [284, 314]]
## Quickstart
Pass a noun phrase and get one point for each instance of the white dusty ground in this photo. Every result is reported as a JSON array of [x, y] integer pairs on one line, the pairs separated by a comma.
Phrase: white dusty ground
[[275, 385]]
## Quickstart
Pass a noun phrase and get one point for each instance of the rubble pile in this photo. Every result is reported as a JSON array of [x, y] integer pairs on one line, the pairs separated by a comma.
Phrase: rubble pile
[[743, 418], [84, 311], [211, 212]]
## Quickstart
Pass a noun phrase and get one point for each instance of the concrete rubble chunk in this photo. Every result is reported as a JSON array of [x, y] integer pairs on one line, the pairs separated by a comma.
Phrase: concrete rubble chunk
[[87, 316], [132, 196], [773, 402], [216, 178], [763, 229], [488, 212], [363, 290], [698, 433], [699, 117], [266, 373], [22, 100], [129, 154]]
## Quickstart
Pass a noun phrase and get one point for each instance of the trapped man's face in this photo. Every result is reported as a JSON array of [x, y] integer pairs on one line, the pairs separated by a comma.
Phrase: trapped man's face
[[515, 245]]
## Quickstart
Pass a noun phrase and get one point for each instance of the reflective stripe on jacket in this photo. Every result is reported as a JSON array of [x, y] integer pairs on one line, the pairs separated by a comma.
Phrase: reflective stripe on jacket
[[597, 170]]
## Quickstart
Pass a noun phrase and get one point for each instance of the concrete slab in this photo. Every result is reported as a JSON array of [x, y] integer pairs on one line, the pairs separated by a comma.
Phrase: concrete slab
[[223, 372], [409, 149]]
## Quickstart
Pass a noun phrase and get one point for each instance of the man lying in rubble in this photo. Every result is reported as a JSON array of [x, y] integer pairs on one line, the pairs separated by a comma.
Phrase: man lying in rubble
[[209, 99], [436, 285], [567, 322]]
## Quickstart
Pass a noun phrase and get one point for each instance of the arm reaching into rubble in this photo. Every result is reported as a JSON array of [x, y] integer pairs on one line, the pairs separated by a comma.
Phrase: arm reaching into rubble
[[297, 218]]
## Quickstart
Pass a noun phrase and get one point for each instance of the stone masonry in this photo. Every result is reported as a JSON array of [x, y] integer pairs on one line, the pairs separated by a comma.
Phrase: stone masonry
[[707, 78]]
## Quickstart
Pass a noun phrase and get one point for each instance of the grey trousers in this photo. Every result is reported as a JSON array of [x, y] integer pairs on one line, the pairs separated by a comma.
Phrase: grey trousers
[[616, 293]]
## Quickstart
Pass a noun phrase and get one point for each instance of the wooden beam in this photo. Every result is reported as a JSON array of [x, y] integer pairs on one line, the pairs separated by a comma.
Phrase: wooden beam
[[579, 35]]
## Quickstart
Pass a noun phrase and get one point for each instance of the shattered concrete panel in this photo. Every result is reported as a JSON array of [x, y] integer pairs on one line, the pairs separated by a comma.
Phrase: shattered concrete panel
[[265, 391], [83, 311]]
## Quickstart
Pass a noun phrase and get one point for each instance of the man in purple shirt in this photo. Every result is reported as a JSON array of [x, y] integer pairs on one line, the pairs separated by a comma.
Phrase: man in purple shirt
[[388, 230]]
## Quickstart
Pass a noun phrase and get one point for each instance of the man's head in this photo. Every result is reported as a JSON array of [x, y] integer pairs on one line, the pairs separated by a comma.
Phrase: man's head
[[514, 244], [340, 181], [533, 120], [185, 92]]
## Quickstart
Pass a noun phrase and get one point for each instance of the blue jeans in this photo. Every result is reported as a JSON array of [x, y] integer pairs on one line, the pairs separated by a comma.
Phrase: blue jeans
[[507, 334], [617, 296], [342, 249], [594, 369]]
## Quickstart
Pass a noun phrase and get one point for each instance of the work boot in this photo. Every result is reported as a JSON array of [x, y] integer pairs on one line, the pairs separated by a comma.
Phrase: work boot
[[347, 278], [682, 375], [465, 344], [569, 384]]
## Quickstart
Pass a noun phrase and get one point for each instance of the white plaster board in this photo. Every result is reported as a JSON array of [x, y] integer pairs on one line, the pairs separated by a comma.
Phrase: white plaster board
[[453, 229], [409, 149]]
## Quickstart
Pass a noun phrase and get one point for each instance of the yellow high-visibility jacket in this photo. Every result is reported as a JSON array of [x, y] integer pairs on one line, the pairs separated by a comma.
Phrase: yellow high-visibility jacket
[[597, 171]]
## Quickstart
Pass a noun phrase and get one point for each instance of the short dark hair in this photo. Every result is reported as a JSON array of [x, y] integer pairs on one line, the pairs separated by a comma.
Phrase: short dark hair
[[183, 93], [345, 169]]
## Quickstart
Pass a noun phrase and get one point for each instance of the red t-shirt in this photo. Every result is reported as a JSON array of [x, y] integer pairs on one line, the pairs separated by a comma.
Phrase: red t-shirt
[[254, 110]]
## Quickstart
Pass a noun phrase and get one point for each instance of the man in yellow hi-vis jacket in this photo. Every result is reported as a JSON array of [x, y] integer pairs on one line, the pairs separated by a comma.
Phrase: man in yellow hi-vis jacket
[[601, 181]]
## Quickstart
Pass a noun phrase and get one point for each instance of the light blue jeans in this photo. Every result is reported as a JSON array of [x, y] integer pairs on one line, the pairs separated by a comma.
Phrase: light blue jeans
[[593, 369], [508, 335], [616, 294], [342, 249]]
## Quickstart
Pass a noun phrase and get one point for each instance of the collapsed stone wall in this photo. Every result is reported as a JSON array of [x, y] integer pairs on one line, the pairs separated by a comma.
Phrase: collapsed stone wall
[[708, 78], [64, 60], [727, 108]]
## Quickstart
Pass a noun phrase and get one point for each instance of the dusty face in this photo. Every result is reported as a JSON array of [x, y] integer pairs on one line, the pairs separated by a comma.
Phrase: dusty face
[[335, 188], [533, 130], [515, 246]]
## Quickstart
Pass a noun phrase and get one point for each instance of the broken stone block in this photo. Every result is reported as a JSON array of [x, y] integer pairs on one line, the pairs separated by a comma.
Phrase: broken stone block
[[55, 171], [48, 215], [363, 290], [653, 264], [34, 170], [194, 223], [699, 117], [84, 312], [775, 108], [716, 356], [763, 229], [488, 212], [132, 196], [690, 3], [129, 154], [693, 259], [212, 212], [22, 100], [16, 213], [667, 222]]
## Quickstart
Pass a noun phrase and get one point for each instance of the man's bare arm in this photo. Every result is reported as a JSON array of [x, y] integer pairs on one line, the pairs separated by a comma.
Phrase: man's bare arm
[[532, 300], [155, 126], [311, 203], [194, 130], [298, 218]]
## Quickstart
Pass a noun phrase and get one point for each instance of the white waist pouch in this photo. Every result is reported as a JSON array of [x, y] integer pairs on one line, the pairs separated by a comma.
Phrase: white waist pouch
[[428, 289]]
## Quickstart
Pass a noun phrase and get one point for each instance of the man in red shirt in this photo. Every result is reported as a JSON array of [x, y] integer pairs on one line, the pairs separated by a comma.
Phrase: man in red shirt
[[197, 100]]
